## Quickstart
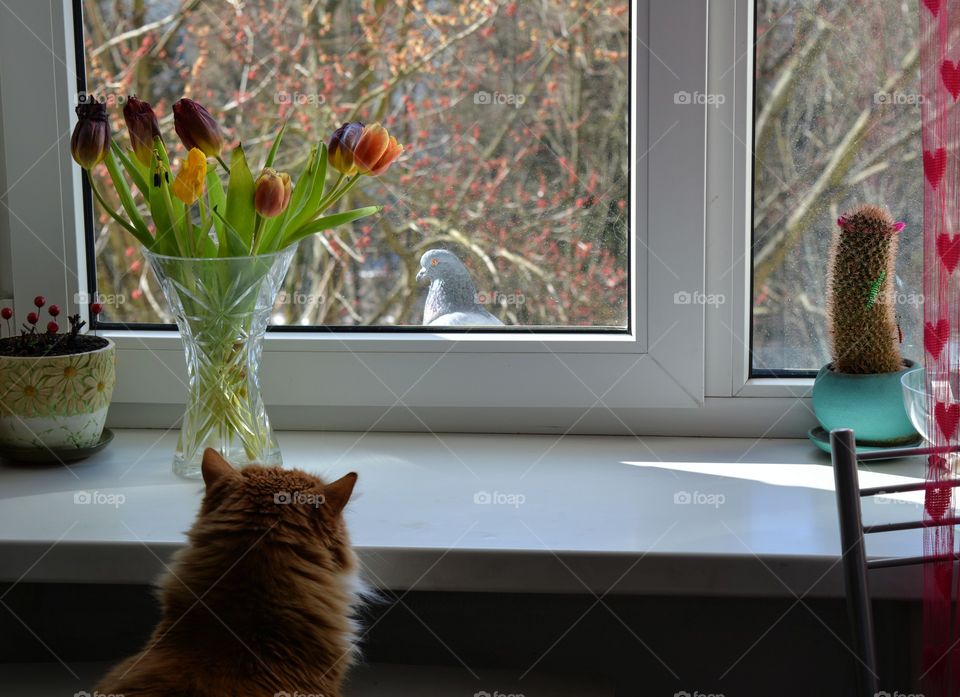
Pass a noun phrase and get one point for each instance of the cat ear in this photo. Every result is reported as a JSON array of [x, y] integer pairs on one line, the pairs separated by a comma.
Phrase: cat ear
[[214, 467], [338, 493]]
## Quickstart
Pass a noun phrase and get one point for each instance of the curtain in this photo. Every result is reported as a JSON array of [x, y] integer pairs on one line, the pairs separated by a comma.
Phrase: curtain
[[940, 85]]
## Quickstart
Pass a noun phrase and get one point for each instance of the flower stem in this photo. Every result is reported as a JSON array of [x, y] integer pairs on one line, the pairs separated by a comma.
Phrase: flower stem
[[256, 234], [106, 206], [336, 195]]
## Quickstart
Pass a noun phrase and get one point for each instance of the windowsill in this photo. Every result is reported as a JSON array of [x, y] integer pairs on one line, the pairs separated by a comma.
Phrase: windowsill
[[598, 516]]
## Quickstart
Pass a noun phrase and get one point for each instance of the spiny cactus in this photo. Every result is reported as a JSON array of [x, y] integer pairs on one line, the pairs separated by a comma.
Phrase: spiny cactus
[[860, 292]]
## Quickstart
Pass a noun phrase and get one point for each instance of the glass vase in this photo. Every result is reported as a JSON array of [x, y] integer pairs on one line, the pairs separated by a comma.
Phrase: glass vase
[[222, 307]]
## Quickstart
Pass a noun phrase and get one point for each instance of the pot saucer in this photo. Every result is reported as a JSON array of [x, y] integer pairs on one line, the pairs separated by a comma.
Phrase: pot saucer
[[51, 456], [820, 438]]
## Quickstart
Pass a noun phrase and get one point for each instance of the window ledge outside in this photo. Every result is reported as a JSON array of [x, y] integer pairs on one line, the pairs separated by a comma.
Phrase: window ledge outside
[[580, 514]]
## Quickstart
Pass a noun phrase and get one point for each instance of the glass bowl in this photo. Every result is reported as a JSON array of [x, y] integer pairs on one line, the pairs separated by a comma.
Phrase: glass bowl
[[914, 385], [916, 388]]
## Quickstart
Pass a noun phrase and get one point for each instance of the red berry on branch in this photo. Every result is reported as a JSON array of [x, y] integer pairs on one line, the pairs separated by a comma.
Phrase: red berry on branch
[[96, 308], [39, 301], [54, 310], [6, 313], [53, 327], [33, 318]]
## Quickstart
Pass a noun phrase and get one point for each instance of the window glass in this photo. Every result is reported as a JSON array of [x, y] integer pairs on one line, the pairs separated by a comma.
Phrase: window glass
[[837, 123], [515, 117]]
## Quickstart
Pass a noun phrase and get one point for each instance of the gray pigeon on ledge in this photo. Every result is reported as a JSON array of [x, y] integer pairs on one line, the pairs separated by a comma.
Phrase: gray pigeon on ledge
[[452, 298]]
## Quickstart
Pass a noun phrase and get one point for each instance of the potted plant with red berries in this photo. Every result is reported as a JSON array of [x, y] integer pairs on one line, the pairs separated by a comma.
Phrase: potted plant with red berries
[[55, 386]]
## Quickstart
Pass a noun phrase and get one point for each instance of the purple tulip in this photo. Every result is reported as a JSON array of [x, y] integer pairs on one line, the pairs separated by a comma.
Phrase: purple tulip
[[197, 128], [143, 128], [90, 141]]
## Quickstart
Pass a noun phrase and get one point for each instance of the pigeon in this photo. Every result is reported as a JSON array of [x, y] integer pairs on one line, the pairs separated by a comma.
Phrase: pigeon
[[452, 298]]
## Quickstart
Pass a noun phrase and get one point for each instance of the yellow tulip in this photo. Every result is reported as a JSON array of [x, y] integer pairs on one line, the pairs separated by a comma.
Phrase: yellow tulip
[[190, 179]]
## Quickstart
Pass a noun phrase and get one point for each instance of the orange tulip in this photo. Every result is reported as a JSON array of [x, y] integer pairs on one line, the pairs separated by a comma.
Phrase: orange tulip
[[373, 142], [190, 179], [365, 149], [393, 151], [272, 192], [376, 150]]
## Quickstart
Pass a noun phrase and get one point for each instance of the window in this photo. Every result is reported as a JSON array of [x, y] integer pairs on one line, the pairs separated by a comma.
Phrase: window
[[836, 123], [515, 117], [640, 345]]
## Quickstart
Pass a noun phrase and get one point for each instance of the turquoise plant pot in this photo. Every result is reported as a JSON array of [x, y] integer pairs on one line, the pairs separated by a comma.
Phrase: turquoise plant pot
[[872, 405]]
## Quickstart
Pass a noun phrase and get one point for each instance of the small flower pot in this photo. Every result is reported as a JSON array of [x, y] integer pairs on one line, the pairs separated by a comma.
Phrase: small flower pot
[[57, 401], [871, 404]]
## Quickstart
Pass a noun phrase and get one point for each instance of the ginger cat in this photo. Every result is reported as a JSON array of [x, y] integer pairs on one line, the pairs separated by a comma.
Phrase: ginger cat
[[259, 604]]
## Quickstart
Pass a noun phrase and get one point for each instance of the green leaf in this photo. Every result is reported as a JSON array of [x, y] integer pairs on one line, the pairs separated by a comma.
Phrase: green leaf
[[174, 228], [159, 147], [231, 239], [172, 206], [321, 176], [276, 144], [113, 214], [270, 233], [327, 222], [165, 241], [208, 248], [132, 166], [302, 187], [126, 197], [240, 213], [218, 201], [182, 227], [318, 183]]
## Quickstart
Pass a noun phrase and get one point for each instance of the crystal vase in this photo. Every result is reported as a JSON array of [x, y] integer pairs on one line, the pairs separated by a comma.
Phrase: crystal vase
[[222, 308]]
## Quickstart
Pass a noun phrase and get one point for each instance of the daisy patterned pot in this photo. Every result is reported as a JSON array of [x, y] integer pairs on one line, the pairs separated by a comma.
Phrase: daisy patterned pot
[[56, 401]]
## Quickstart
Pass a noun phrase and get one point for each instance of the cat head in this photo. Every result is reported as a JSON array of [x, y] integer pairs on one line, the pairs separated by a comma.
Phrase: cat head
[[292, 506]]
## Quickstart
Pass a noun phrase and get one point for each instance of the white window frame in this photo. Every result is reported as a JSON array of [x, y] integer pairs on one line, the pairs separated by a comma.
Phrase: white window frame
[[659, 378], [729, 224]]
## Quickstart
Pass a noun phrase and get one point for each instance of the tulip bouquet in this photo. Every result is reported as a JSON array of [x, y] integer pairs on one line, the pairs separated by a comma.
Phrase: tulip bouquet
[[193, 214], [220, 252]]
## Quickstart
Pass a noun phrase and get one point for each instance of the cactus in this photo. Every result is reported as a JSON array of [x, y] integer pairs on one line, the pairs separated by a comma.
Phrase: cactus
[[862, 324]]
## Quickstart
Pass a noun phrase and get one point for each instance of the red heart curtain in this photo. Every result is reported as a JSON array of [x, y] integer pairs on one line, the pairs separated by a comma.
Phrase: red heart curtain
[[940, 85]]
